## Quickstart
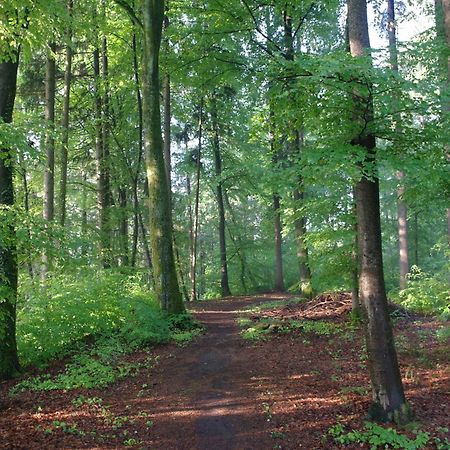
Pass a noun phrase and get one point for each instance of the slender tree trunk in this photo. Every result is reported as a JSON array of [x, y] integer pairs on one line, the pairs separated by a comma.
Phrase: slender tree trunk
[[442, 12], [26, 206], [402, 212], [84, 222], [416, 239], [136, 176], [123, 226], [356, 306], [9, 363], [101, 167], [166, 284], [49, 174], [389, 401], [65, 123], [224, 284], [193, 268], [279, 282], [167, 137], [402, 232]]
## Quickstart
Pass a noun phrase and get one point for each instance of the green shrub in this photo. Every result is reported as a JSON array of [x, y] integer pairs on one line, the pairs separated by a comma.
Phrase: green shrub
[[426, 293]]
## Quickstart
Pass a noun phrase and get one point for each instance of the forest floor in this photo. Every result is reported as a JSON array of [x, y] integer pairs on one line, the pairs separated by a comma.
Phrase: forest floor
[[282, 388]]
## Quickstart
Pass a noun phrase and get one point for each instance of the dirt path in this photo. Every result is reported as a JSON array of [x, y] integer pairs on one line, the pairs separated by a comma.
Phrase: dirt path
[[221, 392]]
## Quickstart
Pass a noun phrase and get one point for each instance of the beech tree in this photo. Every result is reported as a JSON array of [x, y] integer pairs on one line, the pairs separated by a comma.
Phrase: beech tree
[[166, 283], [389, 401], [9, 363]]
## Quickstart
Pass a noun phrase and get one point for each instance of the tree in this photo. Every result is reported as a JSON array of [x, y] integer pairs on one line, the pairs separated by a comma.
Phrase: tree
[[49, 174], [388, 397], [9, 363], [166, 284]]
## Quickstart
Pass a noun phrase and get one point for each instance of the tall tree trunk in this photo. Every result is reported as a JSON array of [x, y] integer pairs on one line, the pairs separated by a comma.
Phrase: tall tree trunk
[[442, 12], [402, 211], [9, 363], [137, 173], [167, 137], [402, 232], [388, 397], [101, 164], [166, 284], [26, 206], [193, 267], [123, 226], [279, 282], [224, 285], [65, 122], [49, 174]]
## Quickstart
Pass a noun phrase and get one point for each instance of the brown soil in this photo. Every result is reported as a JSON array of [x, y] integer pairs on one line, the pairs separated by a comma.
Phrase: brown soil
[[222, 392]]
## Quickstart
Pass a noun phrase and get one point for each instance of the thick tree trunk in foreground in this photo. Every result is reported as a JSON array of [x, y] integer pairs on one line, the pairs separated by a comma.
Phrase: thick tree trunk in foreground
[[388, 396], [166, 284], [65, 123], [49, 174], [9, 363], [224, 285]]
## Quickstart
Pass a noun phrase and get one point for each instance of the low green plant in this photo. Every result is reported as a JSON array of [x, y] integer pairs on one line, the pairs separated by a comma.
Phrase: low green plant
[[378, 437]]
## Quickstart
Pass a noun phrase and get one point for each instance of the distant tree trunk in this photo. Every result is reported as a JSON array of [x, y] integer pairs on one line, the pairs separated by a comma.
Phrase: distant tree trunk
[[166, 284], [49, 174], [402, 232], [9, 362], [416, 238], [101, 168], [84, 222], [402, 213], [389, 401], [26, 207], [279, 282], [442, 12], [356, 306], [136, 175], [224, 285], [65, 122], [123, 226], [196, 222], [167, 138]]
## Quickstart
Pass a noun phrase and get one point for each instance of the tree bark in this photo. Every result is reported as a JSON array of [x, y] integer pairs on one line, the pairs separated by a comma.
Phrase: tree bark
[[101, 167], [442, 12], [224, 284], [402, 212], [65, 122], [123, 227], [49, 174], [388, 397], [166, 284], [279, 282], [402, 232], [9, 362], [193, 266]]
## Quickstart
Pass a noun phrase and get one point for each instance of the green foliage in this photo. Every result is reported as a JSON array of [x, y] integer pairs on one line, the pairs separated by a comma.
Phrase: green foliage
[[378, 437], [426, 293], [71, 307], [264, 327]]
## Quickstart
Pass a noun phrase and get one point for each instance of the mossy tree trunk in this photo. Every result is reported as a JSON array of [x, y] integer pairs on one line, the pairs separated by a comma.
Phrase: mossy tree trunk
[[389, 401], [9, 363], [165, 278]]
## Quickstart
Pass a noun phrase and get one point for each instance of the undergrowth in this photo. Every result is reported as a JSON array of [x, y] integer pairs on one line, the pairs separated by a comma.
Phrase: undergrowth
[[380, 437], [266, 326], [93, 319]]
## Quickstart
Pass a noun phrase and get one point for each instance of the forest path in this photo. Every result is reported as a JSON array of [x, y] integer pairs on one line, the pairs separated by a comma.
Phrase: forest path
[[211, 398]]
